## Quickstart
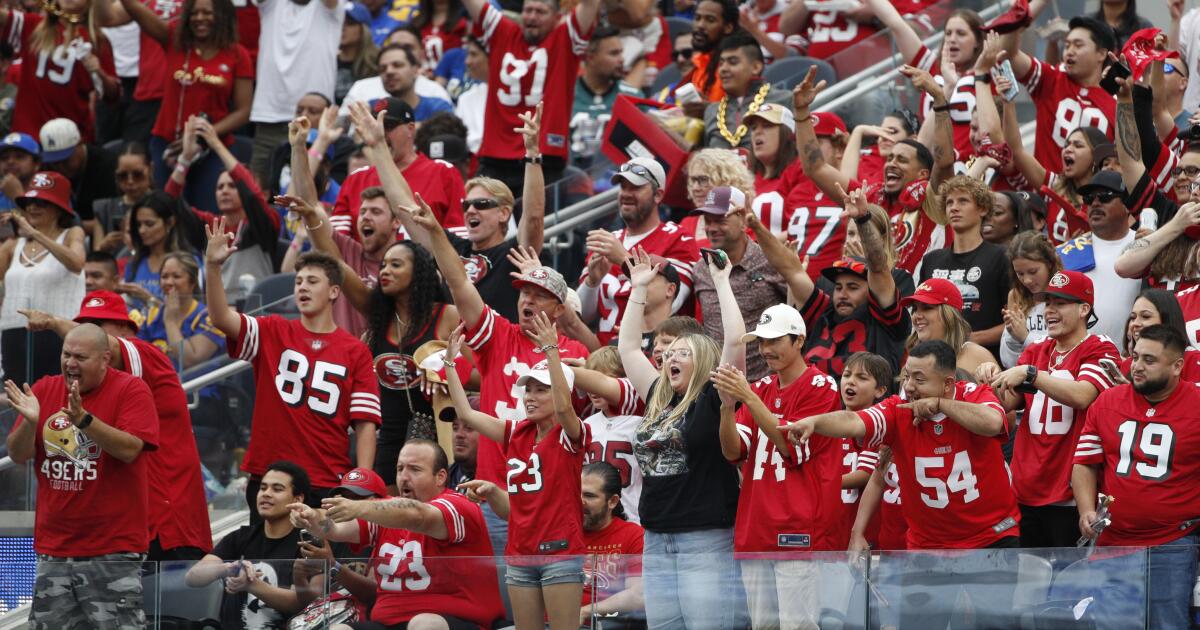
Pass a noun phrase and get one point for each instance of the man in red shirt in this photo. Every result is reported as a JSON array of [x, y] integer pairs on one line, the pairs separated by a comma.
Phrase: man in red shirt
[[946, 438], [313, 380], [438, 182], [1139, 445], [641, 181], [613, 567], [432, 557], [1055, 380], [789, 491], [178, 512], [84, 431]]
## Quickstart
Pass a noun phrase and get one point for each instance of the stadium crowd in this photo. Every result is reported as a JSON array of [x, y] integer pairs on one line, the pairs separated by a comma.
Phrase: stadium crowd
[[774, 340]]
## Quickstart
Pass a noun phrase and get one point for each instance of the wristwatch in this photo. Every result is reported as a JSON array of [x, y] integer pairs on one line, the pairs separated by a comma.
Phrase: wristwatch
[[1031, 373], [86, 422]]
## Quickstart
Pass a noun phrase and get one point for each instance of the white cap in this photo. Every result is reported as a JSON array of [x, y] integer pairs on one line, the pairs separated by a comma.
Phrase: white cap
[[777, 321], [541, 374], [59, 138]]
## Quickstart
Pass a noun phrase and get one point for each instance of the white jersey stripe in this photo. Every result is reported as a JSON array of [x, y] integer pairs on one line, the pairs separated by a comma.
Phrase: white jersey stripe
[[135, 359]]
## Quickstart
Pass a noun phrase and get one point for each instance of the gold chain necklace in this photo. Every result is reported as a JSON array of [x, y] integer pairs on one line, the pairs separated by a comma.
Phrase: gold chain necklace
[[55, 10], [736, 138]]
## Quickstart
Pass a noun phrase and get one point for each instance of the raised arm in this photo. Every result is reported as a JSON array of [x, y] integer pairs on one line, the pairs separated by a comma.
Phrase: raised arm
[[943, 128], [586, 13], [749, 21], [853, 151], [462, 291], [823, 174], [1021, 62], [474, 8], [399, 194], [1140, 254], [907, 40], [564, 412], [491, 427], [784, 260], [1129, 139], [733, 350], [148, 21], [220, 247], [985, 105], [1023, 160], [879, 271], [531, 228], [638, 369]]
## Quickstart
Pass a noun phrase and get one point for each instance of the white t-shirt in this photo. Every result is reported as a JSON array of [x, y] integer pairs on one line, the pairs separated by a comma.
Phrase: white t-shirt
[[471, 104], [612, 442], [1035, 321], [1114, 294], [371, 88], [126, 47], [297, 54]]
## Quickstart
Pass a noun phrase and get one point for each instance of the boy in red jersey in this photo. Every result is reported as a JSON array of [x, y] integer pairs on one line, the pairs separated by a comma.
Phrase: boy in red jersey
[[313, 380], [789, 492], [430, 546], [1139, 445], [946, 439], [1055, 380]]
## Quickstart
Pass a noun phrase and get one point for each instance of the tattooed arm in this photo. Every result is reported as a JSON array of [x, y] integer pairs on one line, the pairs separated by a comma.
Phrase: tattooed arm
[[879, 272], [395, 512], [1129, 143], [1140, 254], [826, 176]]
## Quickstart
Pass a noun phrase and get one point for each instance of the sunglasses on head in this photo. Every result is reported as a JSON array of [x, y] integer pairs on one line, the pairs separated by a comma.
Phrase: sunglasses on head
[[1102, 197], [686, 53], [639, 170], [480, 204]]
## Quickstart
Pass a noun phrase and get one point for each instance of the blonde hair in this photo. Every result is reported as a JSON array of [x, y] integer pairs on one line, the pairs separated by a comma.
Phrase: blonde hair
[[496, 188], [724, 168], [45, 35], [980, 194], [606, 360], [659, 412], [956, 331]]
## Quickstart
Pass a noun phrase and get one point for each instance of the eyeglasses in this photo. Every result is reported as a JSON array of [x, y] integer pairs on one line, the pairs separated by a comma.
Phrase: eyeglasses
[[682, 353], [1187, 171], [1102, 197], [686, 53], [480, 204], [698, 180], [131, 175]]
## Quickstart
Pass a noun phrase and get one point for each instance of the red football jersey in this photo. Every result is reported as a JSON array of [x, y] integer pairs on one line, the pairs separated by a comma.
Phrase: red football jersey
[[1189, 301], [520, 76], [613, 555], [503, 354], [415, 573], [666, 240], [853, 458], [438, 40], [1041, 462], [1063, 106], [913, 231], [789, 499], [83, 490], [437, 181], [830, 32], [768, 203], [958, 488], [1062, 224], [310, 388], [961, 99], [893, 525], [178, 507], [54, 83], [814, 221], [544, 487], [1191, 366], [152, 59], [1149, 455]]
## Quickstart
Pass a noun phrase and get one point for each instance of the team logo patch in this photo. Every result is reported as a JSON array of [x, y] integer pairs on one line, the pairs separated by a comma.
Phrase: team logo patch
[[937, 429], [354, 475], [63, 439], [477, 267], [317, 344], [974, 274], [396, 371], [765, 319], [1059, 280], [539, 274], [12, 138], [42, 180], [95, 302]]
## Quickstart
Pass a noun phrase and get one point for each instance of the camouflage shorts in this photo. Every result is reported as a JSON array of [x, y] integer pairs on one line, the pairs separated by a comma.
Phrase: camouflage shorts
[[98, 592]]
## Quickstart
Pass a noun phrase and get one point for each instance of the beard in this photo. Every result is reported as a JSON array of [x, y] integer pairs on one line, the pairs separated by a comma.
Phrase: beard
[[591, 522], [1151, 387]]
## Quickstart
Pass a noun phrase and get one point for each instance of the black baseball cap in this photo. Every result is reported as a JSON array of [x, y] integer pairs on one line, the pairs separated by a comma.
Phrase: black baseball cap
[[1104, 181], [398, 112]]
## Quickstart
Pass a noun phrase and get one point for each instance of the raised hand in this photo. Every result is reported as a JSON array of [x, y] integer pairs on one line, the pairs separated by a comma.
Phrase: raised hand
[[604, 243], [190, 148], [455, 342], [544, 330], [296, 204], [991, 54], [531, 129], [922, 80], [220, 243], [643, 270], [525, 259], [298, 130], [75, 403], [422, 214], [807, 91], [23, 400], [597, 268], [327, 127], [856, 202], [369, 127]]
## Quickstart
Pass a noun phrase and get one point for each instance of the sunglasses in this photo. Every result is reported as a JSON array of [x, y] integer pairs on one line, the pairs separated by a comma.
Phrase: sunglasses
[[639, 170], [1103, 197], [686, 53], [1187, 171], [133, 175], [1169, 68], [480, 204]]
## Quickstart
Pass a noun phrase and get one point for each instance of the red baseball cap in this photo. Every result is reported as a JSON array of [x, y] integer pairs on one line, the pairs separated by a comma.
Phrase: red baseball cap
[[935, 291], [363, 482], [1070, 285], [104, 306], [50, 187], [828, 124]]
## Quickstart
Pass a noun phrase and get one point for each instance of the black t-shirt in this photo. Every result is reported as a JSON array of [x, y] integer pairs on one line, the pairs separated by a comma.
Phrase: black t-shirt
[[981, 275], [489, 269], [869, 328], [250, 542], [687, 484], [96, 182]]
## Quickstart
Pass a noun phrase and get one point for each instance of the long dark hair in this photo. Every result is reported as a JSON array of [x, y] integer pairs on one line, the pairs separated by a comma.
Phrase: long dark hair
[[1168, 309], [612, 483], [1129, 17], [784, 156], [185, 234], [424, 15], [260, 231], [224, 34], [424, 291]]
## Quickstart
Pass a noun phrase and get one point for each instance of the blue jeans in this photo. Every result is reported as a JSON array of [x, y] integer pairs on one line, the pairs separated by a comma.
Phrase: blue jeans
[[692, 581], [1121, 602]]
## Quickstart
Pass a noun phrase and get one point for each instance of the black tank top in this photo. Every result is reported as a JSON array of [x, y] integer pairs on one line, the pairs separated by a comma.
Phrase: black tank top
[[397, 374]]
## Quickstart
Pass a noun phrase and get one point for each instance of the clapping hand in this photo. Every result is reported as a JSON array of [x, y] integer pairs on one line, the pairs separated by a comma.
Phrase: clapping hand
[[604, 243], [23, 400], [731, 383]]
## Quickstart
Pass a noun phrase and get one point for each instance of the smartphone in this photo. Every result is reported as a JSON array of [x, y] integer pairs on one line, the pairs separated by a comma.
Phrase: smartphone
[[714, 257], [200, 139], [1005, 71], [1117, 70], [310, 538]]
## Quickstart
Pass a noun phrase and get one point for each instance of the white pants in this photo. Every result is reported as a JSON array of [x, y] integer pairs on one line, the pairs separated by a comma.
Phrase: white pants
[[783, 594]]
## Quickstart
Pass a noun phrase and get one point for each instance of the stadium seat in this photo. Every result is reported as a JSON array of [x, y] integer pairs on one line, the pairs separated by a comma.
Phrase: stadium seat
[[274, 295], [678, 26], [786, 73], [176, 603], [666, 76]]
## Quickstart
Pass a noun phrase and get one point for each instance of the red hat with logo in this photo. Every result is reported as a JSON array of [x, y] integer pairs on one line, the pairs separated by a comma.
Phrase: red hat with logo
[[828, 124], [104, 306], [363, 482], [50, 187], [1070, 285], [935, 291]]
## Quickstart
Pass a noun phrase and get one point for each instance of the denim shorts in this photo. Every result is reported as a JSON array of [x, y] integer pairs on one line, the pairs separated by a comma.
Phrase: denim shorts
[[565, 571]]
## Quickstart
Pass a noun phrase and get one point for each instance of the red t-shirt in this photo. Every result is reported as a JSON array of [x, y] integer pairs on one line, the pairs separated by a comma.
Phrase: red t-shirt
[[1063, 106], [178, 508], [249, 26], [543, 484], [520, 76], [54, 83], [961, 99], [504, 354], [788, 499], [768, 200], [814, 221], [956, 483], [152, 64], [870, 166], [667, 240], [415, 573], [1041, 459], [437, 181], [614, 554], [1062, 224], [194, 84], [83, 491], [853, 458], [310, 388], [438, 40], [1149, 456]]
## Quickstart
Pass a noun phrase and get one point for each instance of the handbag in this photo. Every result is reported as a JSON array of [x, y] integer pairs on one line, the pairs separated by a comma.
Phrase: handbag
[[338, 607]]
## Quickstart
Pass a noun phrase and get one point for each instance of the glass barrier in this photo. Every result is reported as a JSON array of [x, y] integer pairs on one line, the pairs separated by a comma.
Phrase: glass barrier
[[985, 588]]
